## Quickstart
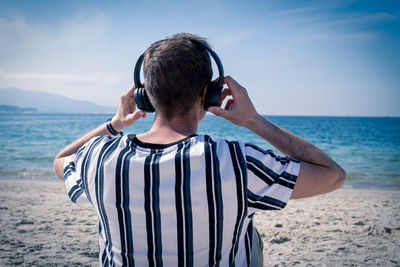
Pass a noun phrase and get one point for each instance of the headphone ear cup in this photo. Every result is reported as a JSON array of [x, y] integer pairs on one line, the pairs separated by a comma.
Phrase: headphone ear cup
[[213, 94], [142, 100], [137, 98]]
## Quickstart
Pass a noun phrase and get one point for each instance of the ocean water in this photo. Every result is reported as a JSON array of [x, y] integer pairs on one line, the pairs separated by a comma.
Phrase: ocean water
[[368, 148]]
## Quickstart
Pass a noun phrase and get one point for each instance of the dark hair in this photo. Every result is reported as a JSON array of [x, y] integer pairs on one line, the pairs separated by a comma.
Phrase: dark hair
[[176, 71]]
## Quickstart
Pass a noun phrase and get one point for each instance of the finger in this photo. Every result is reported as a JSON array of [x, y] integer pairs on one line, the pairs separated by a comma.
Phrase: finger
[[132, 106], [131, 90], [133, 87], [224, 94], [126, 93], [230, 81], [136, 115], [232, 84], [229, 104], [219, 112]]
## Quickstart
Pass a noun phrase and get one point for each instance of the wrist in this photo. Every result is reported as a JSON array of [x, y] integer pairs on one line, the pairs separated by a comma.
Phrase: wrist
[[117, 124], [252, 121]]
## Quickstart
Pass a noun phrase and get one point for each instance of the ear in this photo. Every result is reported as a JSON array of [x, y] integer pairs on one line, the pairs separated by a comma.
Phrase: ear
[[204, 95]]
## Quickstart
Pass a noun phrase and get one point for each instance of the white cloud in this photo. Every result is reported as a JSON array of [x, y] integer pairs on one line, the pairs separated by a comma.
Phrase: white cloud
[[22, 36], [102, 88], [355, 20], [357, 36], [76, 44], [71, 33], [108, 78], [293, 11], [226, 39], [68, 58], [318, 22]]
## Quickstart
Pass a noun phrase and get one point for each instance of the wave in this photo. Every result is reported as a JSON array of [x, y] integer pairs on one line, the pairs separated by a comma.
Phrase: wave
[[27, 174]]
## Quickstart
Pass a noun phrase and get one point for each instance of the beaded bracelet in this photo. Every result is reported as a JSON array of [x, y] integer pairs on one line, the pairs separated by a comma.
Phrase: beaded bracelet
[[111, 129]]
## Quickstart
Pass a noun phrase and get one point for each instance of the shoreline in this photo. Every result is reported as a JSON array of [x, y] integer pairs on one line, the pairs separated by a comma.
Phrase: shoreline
[[349, 185], [40, 226]]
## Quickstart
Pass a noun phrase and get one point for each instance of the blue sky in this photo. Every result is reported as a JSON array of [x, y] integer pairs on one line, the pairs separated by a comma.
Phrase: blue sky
[[294, 57]]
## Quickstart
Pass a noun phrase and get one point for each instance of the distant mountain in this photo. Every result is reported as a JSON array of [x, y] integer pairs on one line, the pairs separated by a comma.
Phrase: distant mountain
[[14, 109], [48, 102]]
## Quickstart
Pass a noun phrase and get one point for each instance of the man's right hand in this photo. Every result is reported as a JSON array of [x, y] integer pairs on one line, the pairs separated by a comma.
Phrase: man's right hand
[[127, 113], [239, 109]]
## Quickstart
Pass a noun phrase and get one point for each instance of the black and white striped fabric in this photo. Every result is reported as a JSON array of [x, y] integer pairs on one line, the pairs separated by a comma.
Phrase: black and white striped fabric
[[189, 203]]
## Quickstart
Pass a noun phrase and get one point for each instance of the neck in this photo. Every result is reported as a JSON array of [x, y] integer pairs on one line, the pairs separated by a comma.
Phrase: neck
[[183, 126], [166, 131]]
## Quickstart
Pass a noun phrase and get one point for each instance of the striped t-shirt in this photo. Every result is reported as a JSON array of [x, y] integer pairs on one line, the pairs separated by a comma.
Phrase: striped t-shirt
[[188, 203]]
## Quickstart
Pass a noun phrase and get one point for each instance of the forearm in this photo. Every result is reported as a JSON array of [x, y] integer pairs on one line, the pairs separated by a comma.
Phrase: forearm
[[126, 116], [75, 145], [72, 148], [289, 143]]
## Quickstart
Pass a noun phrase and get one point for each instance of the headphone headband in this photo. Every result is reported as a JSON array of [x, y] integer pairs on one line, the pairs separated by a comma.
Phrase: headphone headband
[[216, 59], [136, 73]]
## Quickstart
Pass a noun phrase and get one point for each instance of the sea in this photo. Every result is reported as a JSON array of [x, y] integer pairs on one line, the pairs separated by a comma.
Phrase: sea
[[367, 148]]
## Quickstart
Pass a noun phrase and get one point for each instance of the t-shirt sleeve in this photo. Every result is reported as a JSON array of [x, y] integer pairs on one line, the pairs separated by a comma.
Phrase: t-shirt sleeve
[[271, 179], [75, 171]]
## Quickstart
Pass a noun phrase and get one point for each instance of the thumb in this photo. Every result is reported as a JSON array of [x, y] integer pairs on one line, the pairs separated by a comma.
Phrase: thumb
[[136, 115], [219, 112]]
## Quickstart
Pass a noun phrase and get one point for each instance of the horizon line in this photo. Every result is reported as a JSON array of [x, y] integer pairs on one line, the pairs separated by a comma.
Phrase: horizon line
[[207, 114]]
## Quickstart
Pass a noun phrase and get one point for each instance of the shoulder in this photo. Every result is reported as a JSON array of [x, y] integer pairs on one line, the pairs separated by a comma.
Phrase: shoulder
[[221, 143], [208, 139], [223, 148]]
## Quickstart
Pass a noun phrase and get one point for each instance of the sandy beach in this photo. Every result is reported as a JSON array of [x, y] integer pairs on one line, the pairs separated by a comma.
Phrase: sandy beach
[[350, 227]]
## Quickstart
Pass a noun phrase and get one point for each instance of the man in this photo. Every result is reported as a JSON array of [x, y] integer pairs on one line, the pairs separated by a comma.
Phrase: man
[[171, 197]]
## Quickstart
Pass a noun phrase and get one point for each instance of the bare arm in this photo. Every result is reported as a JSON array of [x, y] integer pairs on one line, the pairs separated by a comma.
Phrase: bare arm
[[126, 116], [319, 173]]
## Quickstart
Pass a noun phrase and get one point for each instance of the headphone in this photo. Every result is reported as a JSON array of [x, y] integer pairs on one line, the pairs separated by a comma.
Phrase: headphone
[[213, 92]]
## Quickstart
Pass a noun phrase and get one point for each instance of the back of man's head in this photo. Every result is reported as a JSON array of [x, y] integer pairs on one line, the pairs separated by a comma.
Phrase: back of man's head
[[176, 71]]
